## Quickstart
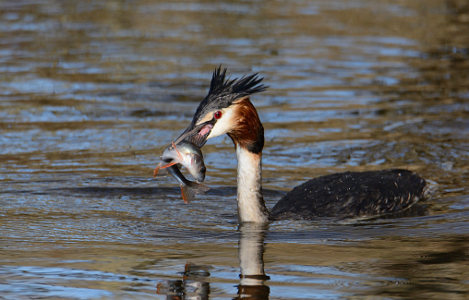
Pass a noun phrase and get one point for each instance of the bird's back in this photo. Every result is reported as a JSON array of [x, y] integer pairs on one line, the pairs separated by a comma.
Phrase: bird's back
[[352, 194]]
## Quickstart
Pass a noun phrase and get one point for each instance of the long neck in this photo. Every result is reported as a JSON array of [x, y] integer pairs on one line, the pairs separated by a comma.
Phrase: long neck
[[248, 136], [251, 205]]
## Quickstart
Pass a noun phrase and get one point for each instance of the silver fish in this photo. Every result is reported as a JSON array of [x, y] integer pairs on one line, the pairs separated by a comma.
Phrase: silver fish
[[189, 156]]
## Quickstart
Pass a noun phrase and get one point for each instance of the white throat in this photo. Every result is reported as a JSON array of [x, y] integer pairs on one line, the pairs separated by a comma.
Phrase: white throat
[[251, 205]]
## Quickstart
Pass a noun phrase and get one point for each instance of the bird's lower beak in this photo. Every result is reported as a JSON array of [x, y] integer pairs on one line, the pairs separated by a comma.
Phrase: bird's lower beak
[[196, 134]]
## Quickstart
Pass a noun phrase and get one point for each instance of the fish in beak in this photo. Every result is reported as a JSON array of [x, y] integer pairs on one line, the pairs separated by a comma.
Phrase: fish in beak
[[189, 156]]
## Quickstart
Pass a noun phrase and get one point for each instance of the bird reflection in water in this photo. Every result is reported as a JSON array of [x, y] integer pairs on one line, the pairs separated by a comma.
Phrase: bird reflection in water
[[194, 283], [251, 262]]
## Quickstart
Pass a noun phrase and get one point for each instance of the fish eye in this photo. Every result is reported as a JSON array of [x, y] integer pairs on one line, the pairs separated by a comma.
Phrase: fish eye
[[217, 115]]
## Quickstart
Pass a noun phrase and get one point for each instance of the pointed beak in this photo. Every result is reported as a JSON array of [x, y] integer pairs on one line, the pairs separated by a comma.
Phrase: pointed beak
[[197, 134]]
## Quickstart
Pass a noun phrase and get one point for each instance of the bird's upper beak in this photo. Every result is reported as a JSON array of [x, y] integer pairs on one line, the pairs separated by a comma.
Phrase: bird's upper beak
[[196, 134]]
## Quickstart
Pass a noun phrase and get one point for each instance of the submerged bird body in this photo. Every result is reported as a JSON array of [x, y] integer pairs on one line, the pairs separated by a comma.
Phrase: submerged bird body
[[227, 109]]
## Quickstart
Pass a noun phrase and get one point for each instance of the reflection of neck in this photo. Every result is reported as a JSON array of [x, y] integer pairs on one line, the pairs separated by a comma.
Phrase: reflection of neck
[[251, 261]]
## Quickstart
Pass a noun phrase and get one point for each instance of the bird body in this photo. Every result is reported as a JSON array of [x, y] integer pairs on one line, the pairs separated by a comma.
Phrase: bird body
[[352, 194], [227, 109]]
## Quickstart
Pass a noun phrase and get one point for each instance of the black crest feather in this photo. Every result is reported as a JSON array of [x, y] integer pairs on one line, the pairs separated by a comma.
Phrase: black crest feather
[[224, 91], [244, 86]]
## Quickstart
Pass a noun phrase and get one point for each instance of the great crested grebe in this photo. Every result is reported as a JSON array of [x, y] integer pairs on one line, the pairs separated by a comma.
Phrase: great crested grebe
[[228, 109]]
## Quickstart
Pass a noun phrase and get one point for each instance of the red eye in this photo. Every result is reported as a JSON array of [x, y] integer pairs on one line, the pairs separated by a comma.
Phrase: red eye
[[217, 114]]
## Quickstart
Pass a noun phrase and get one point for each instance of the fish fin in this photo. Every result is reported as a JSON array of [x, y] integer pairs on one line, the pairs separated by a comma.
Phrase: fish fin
[[191, 189], [181, 158], [169, 165], [198, 188], [159, 167], [156, 170]]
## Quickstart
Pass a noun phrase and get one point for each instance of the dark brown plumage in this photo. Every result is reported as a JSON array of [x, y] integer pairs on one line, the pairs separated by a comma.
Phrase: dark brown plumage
[[352, 194]]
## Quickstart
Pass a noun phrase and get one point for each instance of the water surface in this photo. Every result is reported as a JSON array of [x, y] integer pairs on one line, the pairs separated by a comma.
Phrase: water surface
[[91, 92]]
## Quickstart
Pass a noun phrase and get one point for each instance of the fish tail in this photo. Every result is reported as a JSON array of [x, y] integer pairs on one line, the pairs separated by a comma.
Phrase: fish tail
[[189, 190], [187, 193]]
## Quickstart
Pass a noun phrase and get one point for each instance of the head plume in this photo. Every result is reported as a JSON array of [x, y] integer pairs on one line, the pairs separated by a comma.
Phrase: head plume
[[227, 89], [223, 92]]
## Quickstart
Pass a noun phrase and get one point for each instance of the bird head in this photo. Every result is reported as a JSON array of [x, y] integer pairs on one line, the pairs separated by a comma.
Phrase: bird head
[[228, 109]]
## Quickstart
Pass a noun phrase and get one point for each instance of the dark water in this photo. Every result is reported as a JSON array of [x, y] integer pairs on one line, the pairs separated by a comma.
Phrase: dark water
[[91, 92]]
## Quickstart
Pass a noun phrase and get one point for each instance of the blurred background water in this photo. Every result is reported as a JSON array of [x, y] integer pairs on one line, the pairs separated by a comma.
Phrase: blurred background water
[[92, 91]]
